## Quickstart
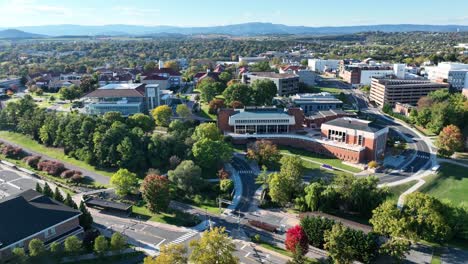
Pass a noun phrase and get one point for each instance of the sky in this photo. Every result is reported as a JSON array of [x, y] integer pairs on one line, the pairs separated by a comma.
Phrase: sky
[[221, 12]]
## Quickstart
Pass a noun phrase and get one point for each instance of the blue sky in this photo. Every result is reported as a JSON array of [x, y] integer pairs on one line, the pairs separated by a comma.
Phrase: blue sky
[[222, 12]]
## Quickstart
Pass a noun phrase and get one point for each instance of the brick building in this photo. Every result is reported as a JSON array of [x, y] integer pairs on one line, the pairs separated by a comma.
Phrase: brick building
[[28, 215]]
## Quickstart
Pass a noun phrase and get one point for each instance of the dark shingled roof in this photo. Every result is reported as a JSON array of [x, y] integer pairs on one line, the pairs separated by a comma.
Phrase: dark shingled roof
[[28, 213], [353, 123]]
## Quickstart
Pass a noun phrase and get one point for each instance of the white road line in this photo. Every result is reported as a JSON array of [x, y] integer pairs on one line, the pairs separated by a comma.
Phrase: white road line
[[247, 255], [160, 242], [243, 246]]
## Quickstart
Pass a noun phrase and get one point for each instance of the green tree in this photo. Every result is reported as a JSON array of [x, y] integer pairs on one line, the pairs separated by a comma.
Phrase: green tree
[[183, 111], [118, 242], [450, 140], [69, 202], [69, 93], [338, 245], [47, 191], [86, 220], [19, 255], [313, 195], [142, 121], [124, 182], [38, 188], [36, 248], [315, 228], [225, 77], [56, 248], [186, 176], [396, 248], [169, 254], [207, 130], [238, 92], [72, 245], [162, 115], [209, 153], [101, 245], [264, 152], [149, 66], [286, 184], [58, 195], [155, 192], [215, 246], [263, 91], [225, 185], [209, 89]]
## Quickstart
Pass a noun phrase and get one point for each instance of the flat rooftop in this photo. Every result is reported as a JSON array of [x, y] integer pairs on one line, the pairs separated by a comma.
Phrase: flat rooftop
[[354, 123], [121, 86], [273, 75]]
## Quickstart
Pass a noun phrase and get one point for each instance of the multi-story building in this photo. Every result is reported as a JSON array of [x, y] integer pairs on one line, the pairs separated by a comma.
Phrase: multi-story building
[[10, 82], [174, 78], [319, 65], [126, 98], [286, 83], [70, 77], [362, 73], [31, 215], [305, 76], [250, 60], [392, 90], [316, 102], [349, 139], [456, 74]]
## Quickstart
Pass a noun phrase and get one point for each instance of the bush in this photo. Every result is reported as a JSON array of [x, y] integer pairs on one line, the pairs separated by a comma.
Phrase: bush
[[51, 167], [12, 152], [32, 161], [76, 178], [70, 173]]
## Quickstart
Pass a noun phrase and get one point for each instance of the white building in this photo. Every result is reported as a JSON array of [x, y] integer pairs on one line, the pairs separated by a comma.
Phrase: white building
[[456, 74], [320, 65]]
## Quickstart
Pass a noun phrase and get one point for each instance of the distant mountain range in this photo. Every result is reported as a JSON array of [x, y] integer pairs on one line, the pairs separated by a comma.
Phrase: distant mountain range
[[246, 29], [17, 34]]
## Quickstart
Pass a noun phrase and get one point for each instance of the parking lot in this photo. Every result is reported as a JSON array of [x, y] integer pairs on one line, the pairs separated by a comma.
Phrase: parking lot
[[13, 182]]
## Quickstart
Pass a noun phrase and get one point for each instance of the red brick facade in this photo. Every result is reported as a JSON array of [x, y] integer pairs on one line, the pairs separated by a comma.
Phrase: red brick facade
[[298, 117]]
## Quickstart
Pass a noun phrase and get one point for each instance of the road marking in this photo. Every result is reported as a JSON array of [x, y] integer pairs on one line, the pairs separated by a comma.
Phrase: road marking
[[247, 255], [160, 242], [183, 238], [243, 246]]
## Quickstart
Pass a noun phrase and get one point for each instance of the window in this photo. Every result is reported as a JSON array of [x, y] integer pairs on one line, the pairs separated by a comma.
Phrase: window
[[50, 232], [360, 140]]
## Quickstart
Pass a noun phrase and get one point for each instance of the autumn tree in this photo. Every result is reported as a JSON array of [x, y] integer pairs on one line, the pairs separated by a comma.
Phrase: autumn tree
[[169, 254], [450, 140], [295, 236], [264, 152], [162, 115], [183, 111], [214, 246], [215, 105], [155, 192], [124, 182]]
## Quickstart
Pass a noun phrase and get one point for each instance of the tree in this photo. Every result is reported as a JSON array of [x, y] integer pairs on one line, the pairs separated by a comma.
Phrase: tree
[[187, 176], [215, 105], [313, 196], [263, 91], [338, 245], [101, 245], [183, 111], [396, 248], [215, 246], [72, 245], [19, 255], [372, 164], [47, 191], [58, 195], [226, 185], [169, 254], [296, 237], [238, 92], [118, 242], [315, 228], [450, 140], [162, 115], [38, 188], [142, 121], [155, 192], [124, 182], [69, 93], [264, 152], [208, 131], [209, 153], [225, 77], [172, 65], [286, 184], [209, 89], [69, 202], [36, 248], [86, 220], [149, 66], [56, 248]]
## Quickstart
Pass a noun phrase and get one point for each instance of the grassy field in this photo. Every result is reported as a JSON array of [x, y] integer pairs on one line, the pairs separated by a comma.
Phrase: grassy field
[[205, 113], [396, 191], [318, 158], [451, 182], [28, 143], [177, 218]]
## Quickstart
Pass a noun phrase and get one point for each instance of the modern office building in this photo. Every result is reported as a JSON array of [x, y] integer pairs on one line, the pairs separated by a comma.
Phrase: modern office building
[[31, 215], [286, 83], [349, 139], [456, 74], [10, 82], [390, 90], [312, 102], [165, 77], [319, 65], [361, 73], [126, 98]]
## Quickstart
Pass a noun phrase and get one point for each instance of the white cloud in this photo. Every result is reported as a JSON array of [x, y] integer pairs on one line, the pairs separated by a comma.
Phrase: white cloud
[[31, 7]]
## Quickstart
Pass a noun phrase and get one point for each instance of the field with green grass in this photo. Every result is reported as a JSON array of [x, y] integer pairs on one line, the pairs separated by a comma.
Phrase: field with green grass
[[28, 143], [204, 112], [396, 191], [451, 182], [172, 217]]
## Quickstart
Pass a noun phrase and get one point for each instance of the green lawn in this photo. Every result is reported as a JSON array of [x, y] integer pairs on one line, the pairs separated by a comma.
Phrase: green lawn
[[28, 143], [283, 251], [173, 217], [436, 256], [451, 182], [396, 191], [205, 113], [318, 158], [317, 171]]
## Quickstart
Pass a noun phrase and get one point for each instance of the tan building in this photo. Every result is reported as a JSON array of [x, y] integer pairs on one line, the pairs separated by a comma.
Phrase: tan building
[[392, 90]]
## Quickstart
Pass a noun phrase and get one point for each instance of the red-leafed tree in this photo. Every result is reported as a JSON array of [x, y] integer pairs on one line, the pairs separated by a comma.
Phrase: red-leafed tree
[[296, 237], [155, 191], [450, 140]]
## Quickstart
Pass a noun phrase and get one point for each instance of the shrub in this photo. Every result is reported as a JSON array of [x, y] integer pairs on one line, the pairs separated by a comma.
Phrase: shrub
[[215, 105], [11, 151], [51, 167], [32, 161], [76, 178], [223, 174], [70, 173]]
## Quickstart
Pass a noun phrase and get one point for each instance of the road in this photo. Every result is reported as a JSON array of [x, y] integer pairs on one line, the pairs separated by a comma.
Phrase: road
[[249, 186]]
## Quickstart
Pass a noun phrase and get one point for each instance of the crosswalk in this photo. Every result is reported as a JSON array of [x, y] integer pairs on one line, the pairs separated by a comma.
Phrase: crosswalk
[[184, 237], [246, 171], [423, 156]]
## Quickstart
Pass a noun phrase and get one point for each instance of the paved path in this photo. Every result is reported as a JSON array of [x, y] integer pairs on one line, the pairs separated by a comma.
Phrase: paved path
[[98, 178]]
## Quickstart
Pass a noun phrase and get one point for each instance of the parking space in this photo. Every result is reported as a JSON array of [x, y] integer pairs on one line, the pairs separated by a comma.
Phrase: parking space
[[12, 182]]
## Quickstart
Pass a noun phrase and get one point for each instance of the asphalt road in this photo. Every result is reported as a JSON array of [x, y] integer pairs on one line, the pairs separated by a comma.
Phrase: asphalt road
[[248, 182]]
